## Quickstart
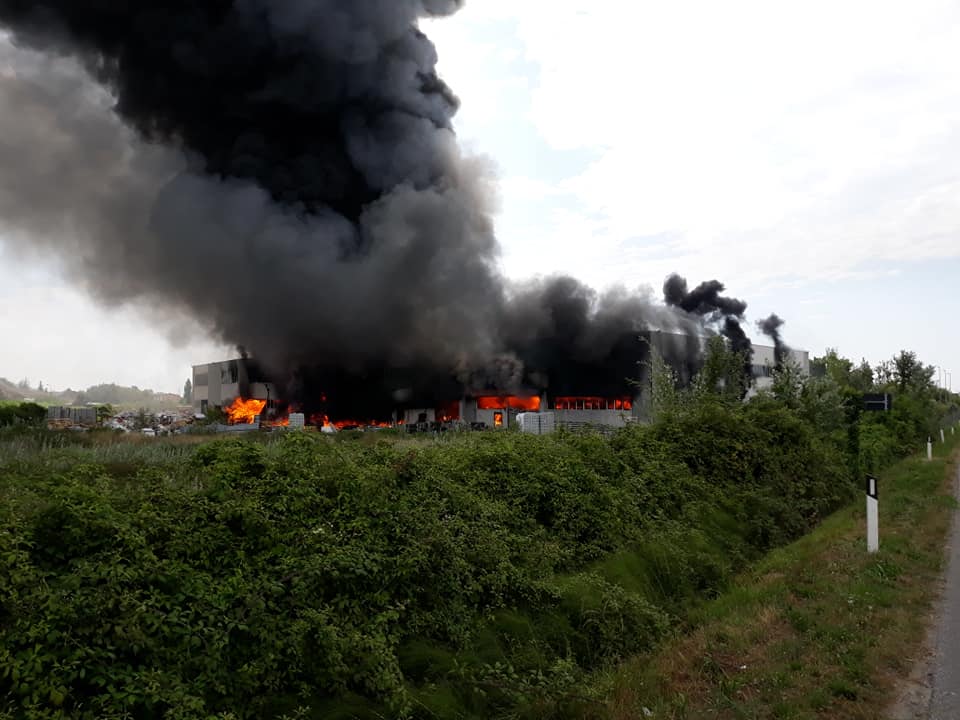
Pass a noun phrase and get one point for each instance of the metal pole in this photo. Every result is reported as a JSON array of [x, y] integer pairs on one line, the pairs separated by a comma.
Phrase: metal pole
[[942, 438], [929, 448], [873, 516]]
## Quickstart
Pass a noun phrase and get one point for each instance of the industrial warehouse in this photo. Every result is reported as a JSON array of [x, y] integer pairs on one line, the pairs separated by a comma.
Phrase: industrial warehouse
[[608, 397]]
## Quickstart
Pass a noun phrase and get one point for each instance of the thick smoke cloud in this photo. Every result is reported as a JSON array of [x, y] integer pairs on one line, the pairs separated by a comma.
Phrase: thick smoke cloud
[[286, 172]]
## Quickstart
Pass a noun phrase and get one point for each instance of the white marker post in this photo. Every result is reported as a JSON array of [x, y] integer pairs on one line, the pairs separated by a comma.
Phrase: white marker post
[[873, 516], [929, 449], [942, 438]]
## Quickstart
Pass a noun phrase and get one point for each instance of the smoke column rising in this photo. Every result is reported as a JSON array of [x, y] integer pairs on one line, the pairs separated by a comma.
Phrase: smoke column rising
[[771, 328], [285, 171], [705, 301]]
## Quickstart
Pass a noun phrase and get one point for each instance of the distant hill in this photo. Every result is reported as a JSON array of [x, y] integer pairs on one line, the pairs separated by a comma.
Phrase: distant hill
[[110, 393], [10, 391]]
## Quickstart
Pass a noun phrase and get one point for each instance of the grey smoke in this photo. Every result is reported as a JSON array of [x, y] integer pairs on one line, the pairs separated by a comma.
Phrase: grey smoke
[[410, 280], [286, 172]]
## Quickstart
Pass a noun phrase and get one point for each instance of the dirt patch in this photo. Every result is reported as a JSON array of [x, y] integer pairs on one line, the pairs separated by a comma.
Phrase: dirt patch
[[915, 691]]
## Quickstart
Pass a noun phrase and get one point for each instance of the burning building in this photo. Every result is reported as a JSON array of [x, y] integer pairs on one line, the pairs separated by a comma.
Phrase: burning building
[[610, 394], [607, 389]]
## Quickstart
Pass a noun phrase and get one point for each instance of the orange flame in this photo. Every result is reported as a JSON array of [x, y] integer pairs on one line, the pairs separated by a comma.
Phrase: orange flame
[[354, 424], [325, 422], [449, 412], [528, 404], [243, 412]]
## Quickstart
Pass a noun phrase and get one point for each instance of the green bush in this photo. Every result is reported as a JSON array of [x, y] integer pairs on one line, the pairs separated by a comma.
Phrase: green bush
[[488, 575]]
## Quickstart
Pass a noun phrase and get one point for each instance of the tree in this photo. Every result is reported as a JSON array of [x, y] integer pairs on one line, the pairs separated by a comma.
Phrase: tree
[[104, 413], [910, 374], [722, 373], [187, 392], [862, 377], [24, 384]]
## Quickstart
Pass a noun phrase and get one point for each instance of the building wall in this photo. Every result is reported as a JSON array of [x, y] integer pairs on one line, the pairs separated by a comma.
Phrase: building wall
[[764, 361], [201, 388], [412, 416], [219, 384], [581, 418]]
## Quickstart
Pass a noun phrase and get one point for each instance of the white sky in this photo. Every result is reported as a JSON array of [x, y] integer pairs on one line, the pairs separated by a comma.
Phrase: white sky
[[806, 154]]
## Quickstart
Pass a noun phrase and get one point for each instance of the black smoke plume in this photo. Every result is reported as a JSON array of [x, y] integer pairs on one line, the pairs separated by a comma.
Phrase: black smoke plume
[[771, 328], [285, 172], [706, 301]]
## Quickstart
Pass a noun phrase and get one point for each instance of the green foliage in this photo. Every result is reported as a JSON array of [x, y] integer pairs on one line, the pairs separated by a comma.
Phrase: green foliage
[[22, 414], [104, 413], [485, 576], [115, 395], [722, 377]]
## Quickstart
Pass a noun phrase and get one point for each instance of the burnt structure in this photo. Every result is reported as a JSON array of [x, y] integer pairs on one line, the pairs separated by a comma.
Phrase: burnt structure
[[582, 389]]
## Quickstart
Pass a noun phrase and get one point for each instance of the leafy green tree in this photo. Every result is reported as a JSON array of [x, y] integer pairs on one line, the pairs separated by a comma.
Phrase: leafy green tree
[[910, 374], [187, 392], [883, 374], [722, 376], [861, 377], [105, 412], [30, 414]]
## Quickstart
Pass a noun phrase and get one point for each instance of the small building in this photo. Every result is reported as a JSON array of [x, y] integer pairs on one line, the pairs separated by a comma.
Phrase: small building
[[218, 384]]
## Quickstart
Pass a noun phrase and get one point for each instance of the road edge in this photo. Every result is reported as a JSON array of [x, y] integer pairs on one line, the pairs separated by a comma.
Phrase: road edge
[[917, 697]]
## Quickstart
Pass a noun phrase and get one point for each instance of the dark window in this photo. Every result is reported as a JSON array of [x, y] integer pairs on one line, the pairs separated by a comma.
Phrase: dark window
[[230, 374], [201, 380]]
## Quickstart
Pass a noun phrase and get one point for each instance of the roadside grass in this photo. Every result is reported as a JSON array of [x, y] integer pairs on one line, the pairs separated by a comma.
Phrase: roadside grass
[[818, 629]]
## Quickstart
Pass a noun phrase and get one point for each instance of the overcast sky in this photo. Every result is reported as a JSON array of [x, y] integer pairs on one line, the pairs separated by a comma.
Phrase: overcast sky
[[806, 154]]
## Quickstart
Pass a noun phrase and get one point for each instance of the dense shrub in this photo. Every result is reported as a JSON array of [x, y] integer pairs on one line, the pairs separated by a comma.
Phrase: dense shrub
[[27, 413], [483, 576]]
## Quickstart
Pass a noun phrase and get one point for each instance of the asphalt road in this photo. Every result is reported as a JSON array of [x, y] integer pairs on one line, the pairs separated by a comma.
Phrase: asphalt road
[[945, 696]]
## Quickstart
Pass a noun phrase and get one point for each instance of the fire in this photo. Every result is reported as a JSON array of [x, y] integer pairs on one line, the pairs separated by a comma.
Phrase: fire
[[449, 412], [592, 403], [243, 412], [355, 424], [321, 420], [513, 402], [329, 425]]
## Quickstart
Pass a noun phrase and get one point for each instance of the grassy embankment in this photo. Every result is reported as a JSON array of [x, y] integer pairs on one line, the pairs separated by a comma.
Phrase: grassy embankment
[[818, 628]]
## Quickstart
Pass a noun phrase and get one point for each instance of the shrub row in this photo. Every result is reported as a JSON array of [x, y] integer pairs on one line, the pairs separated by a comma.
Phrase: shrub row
[[482, 577]]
